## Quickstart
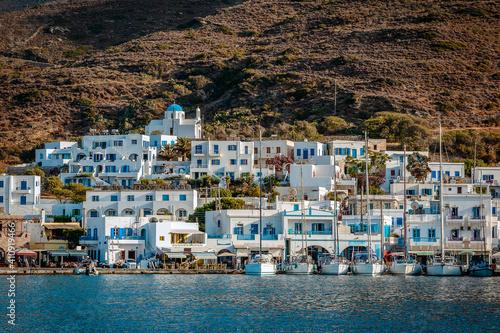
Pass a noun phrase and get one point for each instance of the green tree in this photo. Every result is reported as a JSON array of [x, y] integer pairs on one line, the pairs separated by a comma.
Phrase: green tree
[[183, 148], [469, 165], [35, 172], [332, 125], [396, 127], [52, 183], [167, 152], [73, 237], [226, 203], [418, 166]]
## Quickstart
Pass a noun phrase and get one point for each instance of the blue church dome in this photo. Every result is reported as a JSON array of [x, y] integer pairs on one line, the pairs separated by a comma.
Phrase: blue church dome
[[174, 107]]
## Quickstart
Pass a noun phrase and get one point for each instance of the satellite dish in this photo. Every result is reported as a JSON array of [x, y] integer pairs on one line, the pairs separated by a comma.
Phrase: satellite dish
[[414, 205], [73, 219], [292, 192], [446, 177]]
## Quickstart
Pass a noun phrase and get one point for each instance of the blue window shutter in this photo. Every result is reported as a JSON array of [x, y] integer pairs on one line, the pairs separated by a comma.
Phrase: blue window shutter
[[112, 232], [433, 174]]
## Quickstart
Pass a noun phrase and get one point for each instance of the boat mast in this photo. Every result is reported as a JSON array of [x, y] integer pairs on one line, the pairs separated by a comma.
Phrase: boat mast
[[304, 236], [260, 192], [481, 216], [404, 197], [368, 219], [336, 218], [441, 193]]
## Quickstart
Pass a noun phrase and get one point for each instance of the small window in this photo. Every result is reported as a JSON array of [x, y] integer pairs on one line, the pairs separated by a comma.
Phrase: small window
[[162, 238], [182, 197], [246, 149], [244, 162], [1, 183], [93, 213], [1, 198], [215, 162], [233, 162], [130, 198], [149, 197], [134, 142], [299, 152], [165, 197], [231, 147], [95, 198], [114, 198], [256, 150], [278, 150], [269, 150]]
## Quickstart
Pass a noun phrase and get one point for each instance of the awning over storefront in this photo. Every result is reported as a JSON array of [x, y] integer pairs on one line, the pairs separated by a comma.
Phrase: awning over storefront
[[466, 251], [422, 253], [496, 255], [242, 252], [186, 231], [78, 253], [175, 255], [205, 255], [53, 226], [59, 253], [226, 254]]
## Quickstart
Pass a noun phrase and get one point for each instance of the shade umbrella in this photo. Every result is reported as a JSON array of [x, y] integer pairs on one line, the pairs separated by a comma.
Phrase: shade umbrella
[[25, 252]]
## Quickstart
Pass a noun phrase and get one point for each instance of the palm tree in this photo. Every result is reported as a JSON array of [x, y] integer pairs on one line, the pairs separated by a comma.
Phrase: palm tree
[[167, 152], [183, 148]]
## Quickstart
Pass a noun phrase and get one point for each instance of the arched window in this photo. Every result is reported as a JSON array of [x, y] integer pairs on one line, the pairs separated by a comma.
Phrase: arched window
[[181, 213], [110, 212], [128, 212]]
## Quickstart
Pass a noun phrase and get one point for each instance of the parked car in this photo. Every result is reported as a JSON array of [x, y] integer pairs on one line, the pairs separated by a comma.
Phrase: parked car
[[130, 263], [103, 264]]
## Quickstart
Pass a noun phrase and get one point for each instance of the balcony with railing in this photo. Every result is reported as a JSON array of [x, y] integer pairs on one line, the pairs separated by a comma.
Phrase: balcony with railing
[[477, 239], [88, 240], [245, 237], [476, 217], [217, 236], [199, 166], [126, 239], [423, 239], [269, 237], [455, 217], [455, 239], [198, 152], [23, 189]]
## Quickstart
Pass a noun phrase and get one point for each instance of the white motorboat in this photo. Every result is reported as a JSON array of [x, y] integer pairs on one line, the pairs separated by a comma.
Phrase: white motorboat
[[86, 267], [334, 266], [404, 266], [300, 265], [261, 265]]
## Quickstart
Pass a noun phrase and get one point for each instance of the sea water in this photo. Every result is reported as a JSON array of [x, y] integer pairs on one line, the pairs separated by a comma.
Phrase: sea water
[[240, 303]]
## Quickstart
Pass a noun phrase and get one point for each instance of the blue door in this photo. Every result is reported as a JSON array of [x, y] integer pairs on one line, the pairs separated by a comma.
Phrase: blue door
[[354, 153], [24, 185], [23, 200], [306, 154]]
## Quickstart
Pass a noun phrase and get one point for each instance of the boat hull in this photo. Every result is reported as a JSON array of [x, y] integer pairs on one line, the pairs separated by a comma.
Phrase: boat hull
[[481, 272], [260, 269], [368, 269], [405, 269], [444, 270], [335, 269], [299, 268]]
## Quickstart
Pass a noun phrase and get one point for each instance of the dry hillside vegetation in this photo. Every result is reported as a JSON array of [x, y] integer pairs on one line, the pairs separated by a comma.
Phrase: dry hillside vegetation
[[67, 66]]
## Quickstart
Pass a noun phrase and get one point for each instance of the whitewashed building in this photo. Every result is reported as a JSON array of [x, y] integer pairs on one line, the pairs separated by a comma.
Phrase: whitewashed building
[[20, 195], [176, 124], [110, 159], [172, 198], [55, 154]]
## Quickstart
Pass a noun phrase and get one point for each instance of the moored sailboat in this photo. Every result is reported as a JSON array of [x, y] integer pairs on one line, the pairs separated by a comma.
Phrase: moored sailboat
[[442, 265], [261, 264], [333, 264], [369, 265], [404, 265]]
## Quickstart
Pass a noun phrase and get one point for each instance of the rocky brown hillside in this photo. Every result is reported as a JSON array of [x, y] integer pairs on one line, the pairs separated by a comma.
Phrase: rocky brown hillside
[[67, 66]]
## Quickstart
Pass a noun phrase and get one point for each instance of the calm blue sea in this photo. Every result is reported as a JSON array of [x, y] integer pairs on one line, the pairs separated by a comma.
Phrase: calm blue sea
[[239, 303]]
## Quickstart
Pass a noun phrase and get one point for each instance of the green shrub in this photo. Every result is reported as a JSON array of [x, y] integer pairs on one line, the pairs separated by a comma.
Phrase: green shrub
[[31, 96], [344, 60], [251, 33], [447, 45], [78, 52], [287, 58], [225, 30], [164, 47], [83, 102], [436, 17]]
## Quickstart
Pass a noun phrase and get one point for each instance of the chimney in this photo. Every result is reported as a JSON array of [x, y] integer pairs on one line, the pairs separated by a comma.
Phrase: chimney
[[42, 216], [198, 114], [141, 212]]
